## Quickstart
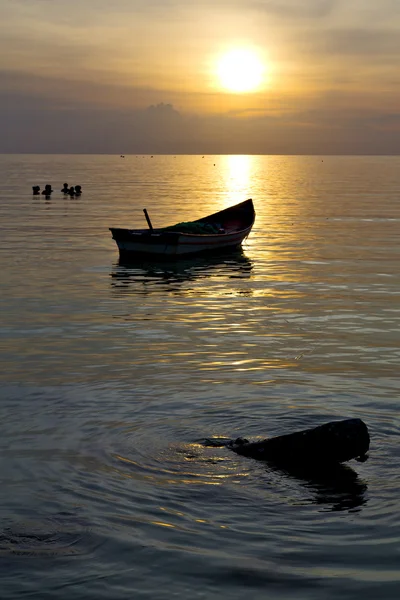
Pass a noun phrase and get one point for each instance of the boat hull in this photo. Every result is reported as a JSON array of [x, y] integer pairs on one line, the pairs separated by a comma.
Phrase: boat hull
[[177, 244]]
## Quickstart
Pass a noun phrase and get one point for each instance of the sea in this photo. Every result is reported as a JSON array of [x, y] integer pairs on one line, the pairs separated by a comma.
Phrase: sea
[[114, 375]]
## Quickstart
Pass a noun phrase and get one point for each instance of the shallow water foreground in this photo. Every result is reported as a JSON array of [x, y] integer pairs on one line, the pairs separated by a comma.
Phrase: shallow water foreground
[[113, 374]]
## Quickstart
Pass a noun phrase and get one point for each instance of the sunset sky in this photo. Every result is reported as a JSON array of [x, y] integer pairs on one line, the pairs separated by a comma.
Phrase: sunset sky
[[153, 76]]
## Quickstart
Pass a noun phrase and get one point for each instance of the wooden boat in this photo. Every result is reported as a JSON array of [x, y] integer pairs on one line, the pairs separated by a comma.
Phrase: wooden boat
[[215, 233]]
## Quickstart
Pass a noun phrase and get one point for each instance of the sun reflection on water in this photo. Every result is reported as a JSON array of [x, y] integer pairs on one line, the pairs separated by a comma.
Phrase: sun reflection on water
[[237, 171]]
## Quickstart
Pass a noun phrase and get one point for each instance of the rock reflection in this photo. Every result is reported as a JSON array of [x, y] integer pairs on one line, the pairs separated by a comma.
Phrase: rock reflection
[[146, 277], [338, 487]]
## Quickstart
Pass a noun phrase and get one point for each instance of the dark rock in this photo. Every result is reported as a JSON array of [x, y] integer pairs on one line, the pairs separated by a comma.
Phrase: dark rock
[[335, 442]]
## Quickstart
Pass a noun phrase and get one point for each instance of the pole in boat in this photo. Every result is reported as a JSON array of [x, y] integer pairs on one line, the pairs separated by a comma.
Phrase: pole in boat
[[148, 219]]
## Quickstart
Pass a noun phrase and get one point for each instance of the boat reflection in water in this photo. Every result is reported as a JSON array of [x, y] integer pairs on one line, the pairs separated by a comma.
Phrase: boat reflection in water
[[145, 277]]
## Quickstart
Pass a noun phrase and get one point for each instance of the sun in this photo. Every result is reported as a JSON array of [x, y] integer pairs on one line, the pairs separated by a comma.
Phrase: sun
[[240, 71]]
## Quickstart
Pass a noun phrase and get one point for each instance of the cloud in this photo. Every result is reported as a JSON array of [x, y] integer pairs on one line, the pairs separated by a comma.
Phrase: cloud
[[354, 42], [84, 14], [31, 125], [137, 76], [294, 9]]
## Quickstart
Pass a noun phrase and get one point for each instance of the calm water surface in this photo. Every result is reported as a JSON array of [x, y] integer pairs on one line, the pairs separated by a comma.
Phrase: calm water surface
[[112, 374]]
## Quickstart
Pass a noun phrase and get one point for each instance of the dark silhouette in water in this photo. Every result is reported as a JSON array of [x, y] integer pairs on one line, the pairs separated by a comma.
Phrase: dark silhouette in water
[[65, 189], [314, 457], [35, 190], [140, 276], [335, 484], [329, 444], [71, 191], [78, 190], [335, 442], [47, 190]]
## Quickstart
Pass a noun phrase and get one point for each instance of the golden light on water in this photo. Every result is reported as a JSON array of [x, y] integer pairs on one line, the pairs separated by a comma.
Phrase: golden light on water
[[237, 172], [240, 70], [239, 169]]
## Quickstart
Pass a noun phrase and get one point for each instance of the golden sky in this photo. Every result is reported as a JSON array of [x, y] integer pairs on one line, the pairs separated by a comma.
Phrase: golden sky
[[328, 67]]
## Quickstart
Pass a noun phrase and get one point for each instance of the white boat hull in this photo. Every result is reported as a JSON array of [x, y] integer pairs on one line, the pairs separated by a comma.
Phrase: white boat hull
[[157, 244]]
